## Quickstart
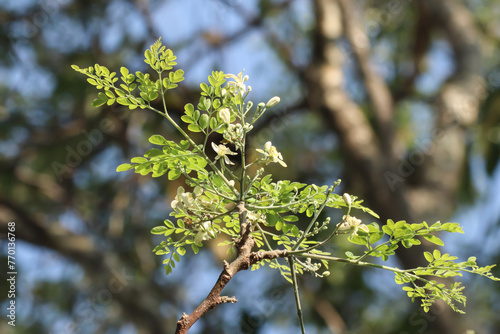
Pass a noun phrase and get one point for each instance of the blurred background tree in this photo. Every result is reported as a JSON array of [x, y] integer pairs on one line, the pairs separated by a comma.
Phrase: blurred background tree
[[400, 99]]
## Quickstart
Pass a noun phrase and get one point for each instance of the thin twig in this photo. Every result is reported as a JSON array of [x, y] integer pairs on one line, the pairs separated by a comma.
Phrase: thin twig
[[291, 261]]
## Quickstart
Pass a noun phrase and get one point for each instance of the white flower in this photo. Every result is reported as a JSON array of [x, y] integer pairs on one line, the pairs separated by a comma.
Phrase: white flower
[[271, 154], [189, 201], [272, 102], [234, 134], [347, 199], [177, 202], [353, 224], [237, 86], [198, 191], [223, 151], [204, 233], [225, 115]]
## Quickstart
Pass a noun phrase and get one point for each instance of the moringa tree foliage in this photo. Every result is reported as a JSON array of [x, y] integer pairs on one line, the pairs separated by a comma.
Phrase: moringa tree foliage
[[240, 204]]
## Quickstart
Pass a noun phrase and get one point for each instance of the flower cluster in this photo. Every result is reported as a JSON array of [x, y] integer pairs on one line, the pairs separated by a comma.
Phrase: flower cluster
[[205, 232], [271, 154], [222, 152], [238, 87], [234, 134], [185, 201], [353, 225]]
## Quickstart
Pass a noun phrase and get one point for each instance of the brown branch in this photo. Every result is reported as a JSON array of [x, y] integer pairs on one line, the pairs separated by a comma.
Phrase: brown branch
[[376, 88], [457, 106], [363, 154], [420, 44], [243, 261]]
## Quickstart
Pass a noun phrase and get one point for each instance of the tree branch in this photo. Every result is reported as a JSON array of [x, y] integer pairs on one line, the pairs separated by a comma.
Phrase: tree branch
[[243, 261], [378, 93]]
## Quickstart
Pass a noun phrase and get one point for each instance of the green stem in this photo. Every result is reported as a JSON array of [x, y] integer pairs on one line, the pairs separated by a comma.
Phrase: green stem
[[372, 250], [354, 262], [318, 244], [296, 293], [188, 138], [215, 217], [304, 236], [243, 167], [213, 191], [272, 207]]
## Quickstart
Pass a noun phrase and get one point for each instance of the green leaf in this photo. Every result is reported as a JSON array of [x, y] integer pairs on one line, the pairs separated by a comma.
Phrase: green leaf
[[204, 87], [390, 224], [187, 119], [291, 218], [168, 223], [189, 109], [176, 76], [434, 239], [213, 123], [211, 80], [154, 152], [176, 257], [374, 237], [437, 254], [174, 174], [204, 119], [138, 160], [110, 94], [159, 229], [124, 71], [350, 255], [98, 102], [152, 96], [195, 248], [124, 167], [359, 240], [181, 251], [158, 140], [194, 128], [387, 230], [123, 101], [272, 219], [216, 104], [184, 144], [149, 57]]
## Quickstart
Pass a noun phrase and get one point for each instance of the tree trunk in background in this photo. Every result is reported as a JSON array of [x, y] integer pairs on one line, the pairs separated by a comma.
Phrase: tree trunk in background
[[372, 154]]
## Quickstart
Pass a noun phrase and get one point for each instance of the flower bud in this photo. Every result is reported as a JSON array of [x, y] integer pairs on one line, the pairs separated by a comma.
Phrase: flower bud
[[225, 115], [199, 237], [272, 102], [347, 199]]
